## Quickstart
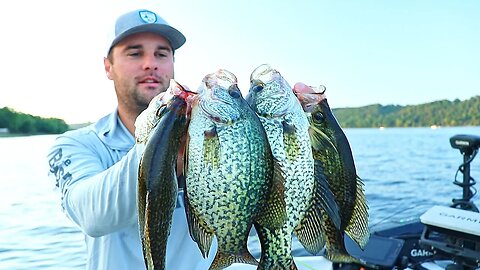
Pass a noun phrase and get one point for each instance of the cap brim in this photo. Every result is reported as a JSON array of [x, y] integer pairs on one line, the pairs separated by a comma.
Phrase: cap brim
[[175, 37]]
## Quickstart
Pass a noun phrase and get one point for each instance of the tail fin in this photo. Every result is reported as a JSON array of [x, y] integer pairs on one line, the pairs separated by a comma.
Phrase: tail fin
[[341, 258], [222, 260]]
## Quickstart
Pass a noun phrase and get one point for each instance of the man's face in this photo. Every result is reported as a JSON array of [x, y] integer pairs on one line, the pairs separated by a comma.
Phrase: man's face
[[141, 67]]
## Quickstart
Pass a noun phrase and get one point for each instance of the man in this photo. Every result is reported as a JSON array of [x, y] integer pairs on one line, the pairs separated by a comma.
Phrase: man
[[96, 167]]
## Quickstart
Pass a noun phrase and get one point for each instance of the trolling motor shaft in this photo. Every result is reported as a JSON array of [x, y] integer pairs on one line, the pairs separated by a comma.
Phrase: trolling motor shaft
[[468, 146]]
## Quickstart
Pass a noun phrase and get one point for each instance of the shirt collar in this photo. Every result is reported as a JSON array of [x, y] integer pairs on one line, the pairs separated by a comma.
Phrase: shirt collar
[[113, 132]]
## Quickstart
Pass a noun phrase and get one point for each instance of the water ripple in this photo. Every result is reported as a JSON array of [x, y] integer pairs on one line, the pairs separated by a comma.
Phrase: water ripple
[[405, 171]]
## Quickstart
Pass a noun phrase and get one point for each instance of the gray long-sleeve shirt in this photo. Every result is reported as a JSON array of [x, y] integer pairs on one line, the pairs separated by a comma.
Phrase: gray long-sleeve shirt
[[95, 168]]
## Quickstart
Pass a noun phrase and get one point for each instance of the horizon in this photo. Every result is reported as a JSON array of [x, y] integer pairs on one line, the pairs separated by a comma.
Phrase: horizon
[[364, 52], [333, 108]]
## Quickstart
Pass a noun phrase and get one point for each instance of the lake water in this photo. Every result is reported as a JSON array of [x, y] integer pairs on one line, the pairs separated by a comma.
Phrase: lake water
[[405, 170]]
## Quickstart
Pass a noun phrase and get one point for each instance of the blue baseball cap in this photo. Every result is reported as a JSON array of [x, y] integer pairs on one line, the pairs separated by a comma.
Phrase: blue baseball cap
[[142, 20]]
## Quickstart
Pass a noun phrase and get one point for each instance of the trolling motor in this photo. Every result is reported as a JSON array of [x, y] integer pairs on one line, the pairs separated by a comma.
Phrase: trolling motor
[[468, 146], [455, 230]]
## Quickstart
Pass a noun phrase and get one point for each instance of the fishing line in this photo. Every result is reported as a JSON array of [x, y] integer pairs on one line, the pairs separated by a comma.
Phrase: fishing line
[[394, 214]]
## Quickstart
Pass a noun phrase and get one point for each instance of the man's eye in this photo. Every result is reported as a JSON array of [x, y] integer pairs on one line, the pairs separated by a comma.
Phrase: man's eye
[[133, 54]]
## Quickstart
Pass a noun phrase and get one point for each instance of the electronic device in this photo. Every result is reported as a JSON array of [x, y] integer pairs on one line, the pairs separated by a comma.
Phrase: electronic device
[[379, 251], [453, 231]]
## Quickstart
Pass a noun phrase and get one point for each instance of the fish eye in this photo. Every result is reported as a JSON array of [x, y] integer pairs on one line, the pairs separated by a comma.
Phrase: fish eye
[[257, 88], [234, 91], [318, 116], [234, 94]]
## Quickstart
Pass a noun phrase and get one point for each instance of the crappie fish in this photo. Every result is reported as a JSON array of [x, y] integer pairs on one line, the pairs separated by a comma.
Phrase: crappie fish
[[229, 172], [334, 159], [159, 129], [286, 125]]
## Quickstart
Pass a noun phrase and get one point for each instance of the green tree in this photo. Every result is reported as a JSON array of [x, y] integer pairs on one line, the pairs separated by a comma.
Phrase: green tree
[[443, 112], [22, 123]]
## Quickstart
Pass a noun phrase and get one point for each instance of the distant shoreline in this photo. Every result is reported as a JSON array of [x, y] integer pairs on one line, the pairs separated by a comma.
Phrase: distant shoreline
[[433, 127]]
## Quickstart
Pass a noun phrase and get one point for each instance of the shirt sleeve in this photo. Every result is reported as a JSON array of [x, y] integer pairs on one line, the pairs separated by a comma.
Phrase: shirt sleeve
[[99, 197]]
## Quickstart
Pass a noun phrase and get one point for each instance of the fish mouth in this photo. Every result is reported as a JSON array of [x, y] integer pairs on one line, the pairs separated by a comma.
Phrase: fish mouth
[[264, 73], [175, 96], [268, 78], [222, 78], [183, 94], [219, 89], [308, 100], [182, 91]]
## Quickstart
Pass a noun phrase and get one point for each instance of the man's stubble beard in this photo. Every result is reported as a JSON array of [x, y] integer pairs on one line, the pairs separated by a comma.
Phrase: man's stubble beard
[[143, 102]]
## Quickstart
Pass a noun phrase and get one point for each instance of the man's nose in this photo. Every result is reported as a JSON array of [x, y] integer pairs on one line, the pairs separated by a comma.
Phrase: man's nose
[[150, 62]]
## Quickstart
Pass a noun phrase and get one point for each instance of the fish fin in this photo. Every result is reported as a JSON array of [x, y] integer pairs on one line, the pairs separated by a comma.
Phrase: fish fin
[[278, 266], [222, 260], [309, 230], [320, 140], [181, 167], [275, 252], [341, 255], [335, 250], [198, 228], [185, 160], [357, 228], [283, 264], [211, 148], [338, 257], [141, 198], [323, 195], [274, 213]]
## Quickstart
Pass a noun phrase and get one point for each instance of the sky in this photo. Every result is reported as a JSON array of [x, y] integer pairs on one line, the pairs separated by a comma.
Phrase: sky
[[402, 52]]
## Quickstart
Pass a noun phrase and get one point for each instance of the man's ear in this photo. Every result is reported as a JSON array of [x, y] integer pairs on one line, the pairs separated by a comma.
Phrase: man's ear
[[108, 67]]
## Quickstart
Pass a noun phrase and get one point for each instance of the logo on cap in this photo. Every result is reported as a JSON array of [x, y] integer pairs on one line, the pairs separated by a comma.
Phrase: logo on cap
[[148, 16]]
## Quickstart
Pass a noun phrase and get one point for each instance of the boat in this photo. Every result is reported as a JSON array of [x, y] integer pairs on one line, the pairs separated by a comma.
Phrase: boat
[[444, 237]]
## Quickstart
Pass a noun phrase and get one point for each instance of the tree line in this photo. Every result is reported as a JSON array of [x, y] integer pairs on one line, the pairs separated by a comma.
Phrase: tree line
[[21, 123], [439, 113]]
